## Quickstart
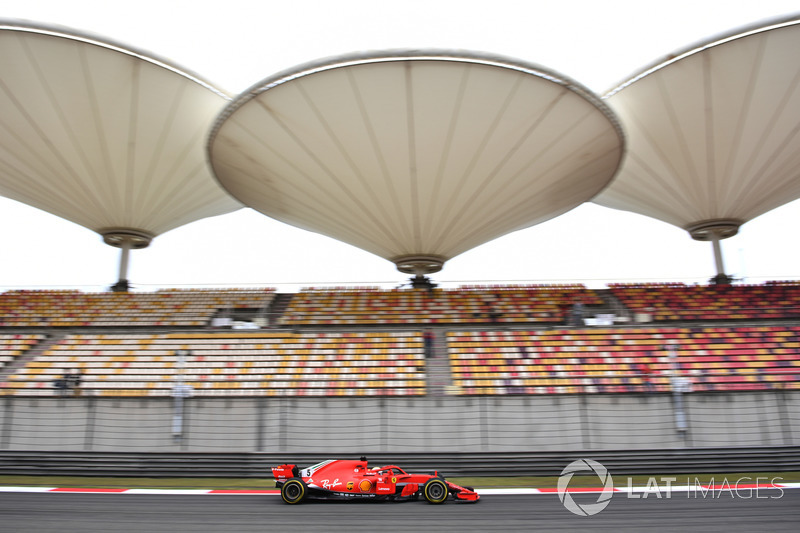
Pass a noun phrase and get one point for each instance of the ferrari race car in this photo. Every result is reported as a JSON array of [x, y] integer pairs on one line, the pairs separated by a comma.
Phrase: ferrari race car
[[339, 479]]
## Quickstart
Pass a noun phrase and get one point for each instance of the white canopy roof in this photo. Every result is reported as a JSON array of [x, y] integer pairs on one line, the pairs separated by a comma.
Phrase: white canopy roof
[[103, 135], [713, 132], [416, 156]]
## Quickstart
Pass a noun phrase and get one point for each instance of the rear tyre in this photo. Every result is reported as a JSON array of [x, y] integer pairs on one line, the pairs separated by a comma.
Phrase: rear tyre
[[293, 491], [435, 490]]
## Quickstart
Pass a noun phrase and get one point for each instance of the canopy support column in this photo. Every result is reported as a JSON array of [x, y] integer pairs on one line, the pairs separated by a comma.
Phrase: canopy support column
[[126, 240], [718, 257], [715, 231], [419, 265], [122, 281]]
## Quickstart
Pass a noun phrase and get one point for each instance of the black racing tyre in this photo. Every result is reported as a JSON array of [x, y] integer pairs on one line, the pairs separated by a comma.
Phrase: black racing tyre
[[435, 490], [293, 491]]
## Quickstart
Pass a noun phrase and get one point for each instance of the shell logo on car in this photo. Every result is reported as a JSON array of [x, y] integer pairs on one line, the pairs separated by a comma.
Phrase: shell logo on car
[[365, 485]]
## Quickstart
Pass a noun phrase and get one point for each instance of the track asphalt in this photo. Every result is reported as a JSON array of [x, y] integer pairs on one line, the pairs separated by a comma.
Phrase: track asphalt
[[652, 489], [87, 512]]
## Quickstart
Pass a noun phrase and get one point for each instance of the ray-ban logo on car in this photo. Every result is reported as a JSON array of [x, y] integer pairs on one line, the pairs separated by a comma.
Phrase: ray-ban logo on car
[[585, 509], [327, 484]]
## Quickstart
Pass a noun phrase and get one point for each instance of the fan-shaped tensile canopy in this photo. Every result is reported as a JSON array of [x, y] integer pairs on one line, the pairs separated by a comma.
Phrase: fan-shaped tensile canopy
[[415, 156], [104, 136], [713, 133]]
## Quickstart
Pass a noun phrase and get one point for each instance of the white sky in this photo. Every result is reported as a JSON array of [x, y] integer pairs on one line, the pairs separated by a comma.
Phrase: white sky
[[236, 43]]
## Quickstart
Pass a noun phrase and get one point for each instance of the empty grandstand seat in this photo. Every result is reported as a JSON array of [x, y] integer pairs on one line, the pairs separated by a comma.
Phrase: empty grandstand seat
[[679, 302], [465, 305], [166, 308], [263, 363], [623, 360]]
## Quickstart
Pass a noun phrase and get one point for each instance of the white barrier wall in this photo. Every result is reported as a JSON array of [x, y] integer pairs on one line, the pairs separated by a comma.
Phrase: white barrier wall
[[370, 425]]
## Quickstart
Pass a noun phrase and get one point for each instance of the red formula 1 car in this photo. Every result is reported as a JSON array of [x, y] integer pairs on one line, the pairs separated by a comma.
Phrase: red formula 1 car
[[350, 480]]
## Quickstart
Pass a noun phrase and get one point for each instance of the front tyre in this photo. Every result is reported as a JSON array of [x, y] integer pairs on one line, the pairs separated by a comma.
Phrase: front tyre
[[435, 491], [293, 491]]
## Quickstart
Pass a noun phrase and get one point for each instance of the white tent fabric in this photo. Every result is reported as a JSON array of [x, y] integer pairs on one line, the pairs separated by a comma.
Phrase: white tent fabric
[[416, 156], [713, 132], [103, 135]]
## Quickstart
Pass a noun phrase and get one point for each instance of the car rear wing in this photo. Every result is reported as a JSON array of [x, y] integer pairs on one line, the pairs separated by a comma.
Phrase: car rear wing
[[284, 472]]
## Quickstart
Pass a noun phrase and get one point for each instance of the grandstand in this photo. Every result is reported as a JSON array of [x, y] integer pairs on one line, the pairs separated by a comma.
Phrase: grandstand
[[479, 181], [428, 165], [484, 340]]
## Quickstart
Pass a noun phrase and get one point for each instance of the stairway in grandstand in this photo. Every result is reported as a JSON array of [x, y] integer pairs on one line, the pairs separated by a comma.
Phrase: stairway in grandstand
[[278, 306], [31, 354], [612, 306], [439, 379]]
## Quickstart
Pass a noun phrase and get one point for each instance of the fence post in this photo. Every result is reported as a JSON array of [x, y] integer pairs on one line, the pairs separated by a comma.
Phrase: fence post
[[783, 416], [484, 424], [186, 428], [586, 432], [282, 424], [687, 435], [383, 405], [261, 412], [8, 420], [676, 382], [88, 440]]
